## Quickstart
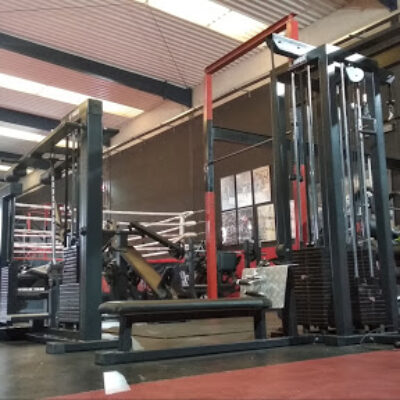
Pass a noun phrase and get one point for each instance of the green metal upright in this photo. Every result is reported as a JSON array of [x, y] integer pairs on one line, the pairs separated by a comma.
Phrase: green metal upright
[[90, 219]]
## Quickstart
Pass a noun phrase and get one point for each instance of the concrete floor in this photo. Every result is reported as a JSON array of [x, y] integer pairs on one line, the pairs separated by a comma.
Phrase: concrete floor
[[27, 372]]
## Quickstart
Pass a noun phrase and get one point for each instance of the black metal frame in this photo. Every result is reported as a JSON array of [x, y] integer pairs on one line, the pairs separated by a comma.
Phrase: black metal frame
[[329, 158], [87, 118], [236, 136], [8, 195], [125, 354], [26, 119], [122, 357]]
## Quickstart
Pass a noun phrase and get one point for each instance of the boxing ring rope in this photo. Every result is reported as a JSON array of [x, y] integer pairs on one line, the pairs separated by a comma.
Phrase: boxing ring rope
[[35, 243]]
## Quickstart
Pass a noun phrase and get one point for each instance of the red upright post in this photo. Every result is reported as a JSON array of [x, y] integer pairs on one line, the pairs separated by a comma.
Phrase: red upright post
[[211, 241], [292, 31], [287, 23], [292, 28]]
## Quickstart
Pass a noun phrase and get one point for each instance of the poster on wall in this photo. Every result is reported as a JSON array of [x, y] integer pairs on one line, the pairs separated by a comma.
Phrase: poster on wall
[[245, 222], [228, 199], [229, 228], [244, 191], [262, 184], [292, 219], [266, 223]]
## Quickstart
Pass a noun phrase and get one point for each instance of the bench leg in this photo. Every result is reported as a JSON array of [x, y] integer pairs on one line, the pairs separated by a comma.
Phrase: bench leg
[[125, 334], [260, 328]]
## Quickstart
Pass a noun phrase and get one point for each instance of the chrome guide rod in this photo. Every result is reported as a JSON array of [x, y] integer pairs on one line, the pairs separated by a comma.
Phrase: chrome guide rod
[[296, 154], [350, 189], [364, 203], [311, 153], [342, 163], [73, 185], [53, 215]]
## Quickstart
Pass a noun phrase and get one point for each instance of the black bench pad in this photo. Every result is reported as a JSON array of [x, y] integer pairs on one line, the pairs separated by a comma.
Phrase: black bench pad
[[134, 307]]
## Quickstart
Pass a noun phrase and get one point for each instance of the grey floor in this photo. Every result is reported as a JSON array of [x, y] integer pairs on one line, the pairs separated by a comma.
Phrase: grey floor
[[27, 372]]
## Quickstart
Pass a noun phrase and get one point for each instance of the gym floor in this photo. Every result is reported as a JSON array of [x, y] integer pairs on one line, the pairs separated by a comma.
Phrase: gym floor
[[27, 372]]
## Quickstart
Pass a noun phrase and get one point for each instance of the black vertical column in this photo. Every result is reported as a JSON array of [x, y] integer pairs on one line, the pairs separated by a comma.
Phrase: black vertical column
[[381, 197], [7, 218], [334, 221], [90, 220], [7, 212], [281, 172]]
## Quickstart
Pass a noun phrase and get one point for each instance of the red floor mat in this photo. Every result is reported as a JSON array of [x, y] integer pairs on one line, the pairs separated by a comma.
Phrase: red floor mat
[[367, 376]]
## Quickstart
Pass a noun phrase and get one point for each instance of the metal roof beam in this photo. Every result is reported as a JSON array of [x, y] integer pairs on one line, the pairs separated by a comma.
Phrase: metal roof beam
[[26, 119], [134, 80], [236, 136], [8, 157], [42, 123]]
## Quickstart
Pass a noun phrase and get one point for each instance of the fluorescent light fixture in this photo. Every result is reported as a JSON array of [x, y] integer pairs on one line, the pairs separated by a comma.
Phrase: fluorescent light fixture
[[13, 133], [4, 167], [62, 95], [18, 134], [355, 57], [212, 15]]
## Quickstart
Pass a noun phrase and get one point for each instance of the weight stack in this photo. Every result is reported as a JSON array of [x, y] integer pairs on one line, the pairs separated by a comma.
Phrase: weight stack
[[69, 303], [312, 287], [4, 272], [70, 271], [368, 303], [313, 290], [69, 289]]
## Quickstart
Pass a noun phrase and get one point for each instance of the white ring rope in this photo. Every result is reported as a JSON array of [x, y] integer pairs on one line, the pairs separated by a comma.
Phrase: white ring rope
[[176, 225]]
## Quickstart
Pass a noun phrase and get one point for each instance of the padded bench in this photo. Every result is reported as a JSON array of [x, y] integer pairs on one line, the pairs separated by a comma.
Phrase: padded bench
[[130, 312]]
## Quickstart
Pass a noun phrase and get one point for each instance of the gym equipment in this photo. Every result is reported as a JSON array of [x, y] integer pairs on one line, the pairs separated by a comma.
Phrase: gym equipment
[[72, 304], [130, 312], [344, 280], [288, 25], [126, 269], [125, 266]]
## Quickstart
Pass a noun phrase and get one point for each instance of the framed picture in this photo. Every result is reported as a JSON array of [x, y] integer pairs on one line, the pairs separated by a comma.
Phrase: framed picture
[[246, 223], [244, 191], [262, 184], [266, 223], [229, 228], [228, 198]]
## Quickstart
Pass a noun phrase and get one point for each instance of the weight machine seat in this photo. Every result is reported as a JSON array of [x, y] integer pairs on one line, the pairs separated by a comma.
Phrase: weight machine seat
[[135, 307]]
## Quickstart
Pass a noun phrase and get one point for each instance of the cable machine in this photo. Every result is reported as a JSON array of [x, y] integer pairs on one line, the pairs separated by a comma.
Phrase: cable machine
[[328, 136], [74, 285]]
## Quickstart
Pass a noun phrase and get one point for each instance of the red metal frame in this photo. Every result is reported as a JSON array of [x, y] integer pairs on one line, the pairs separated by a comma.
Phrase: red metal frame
[[165, 261], [303, 204], [287, 23]]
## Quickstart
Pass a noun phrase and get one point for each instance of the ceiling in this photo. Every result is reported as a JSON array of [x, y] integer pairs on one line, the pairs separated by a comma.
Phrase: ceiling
[[127, 34]]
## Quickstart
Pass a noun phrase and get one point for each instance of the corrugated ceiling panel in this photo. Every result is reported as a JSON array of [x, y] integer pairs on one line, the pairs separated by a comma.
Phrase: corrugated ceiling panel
[[269, 11], [126, 33], [50, 74], [136, 37]]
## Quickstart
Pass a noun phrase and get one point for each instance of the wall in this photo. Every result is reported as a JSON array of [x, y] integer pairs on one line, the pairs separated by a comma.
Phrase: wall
[[165, 173]]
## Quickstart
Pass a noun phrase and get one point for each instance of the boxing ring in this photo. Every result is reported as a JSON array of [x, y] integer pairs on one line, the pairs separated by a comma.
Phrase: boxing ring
[[36, 240]]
